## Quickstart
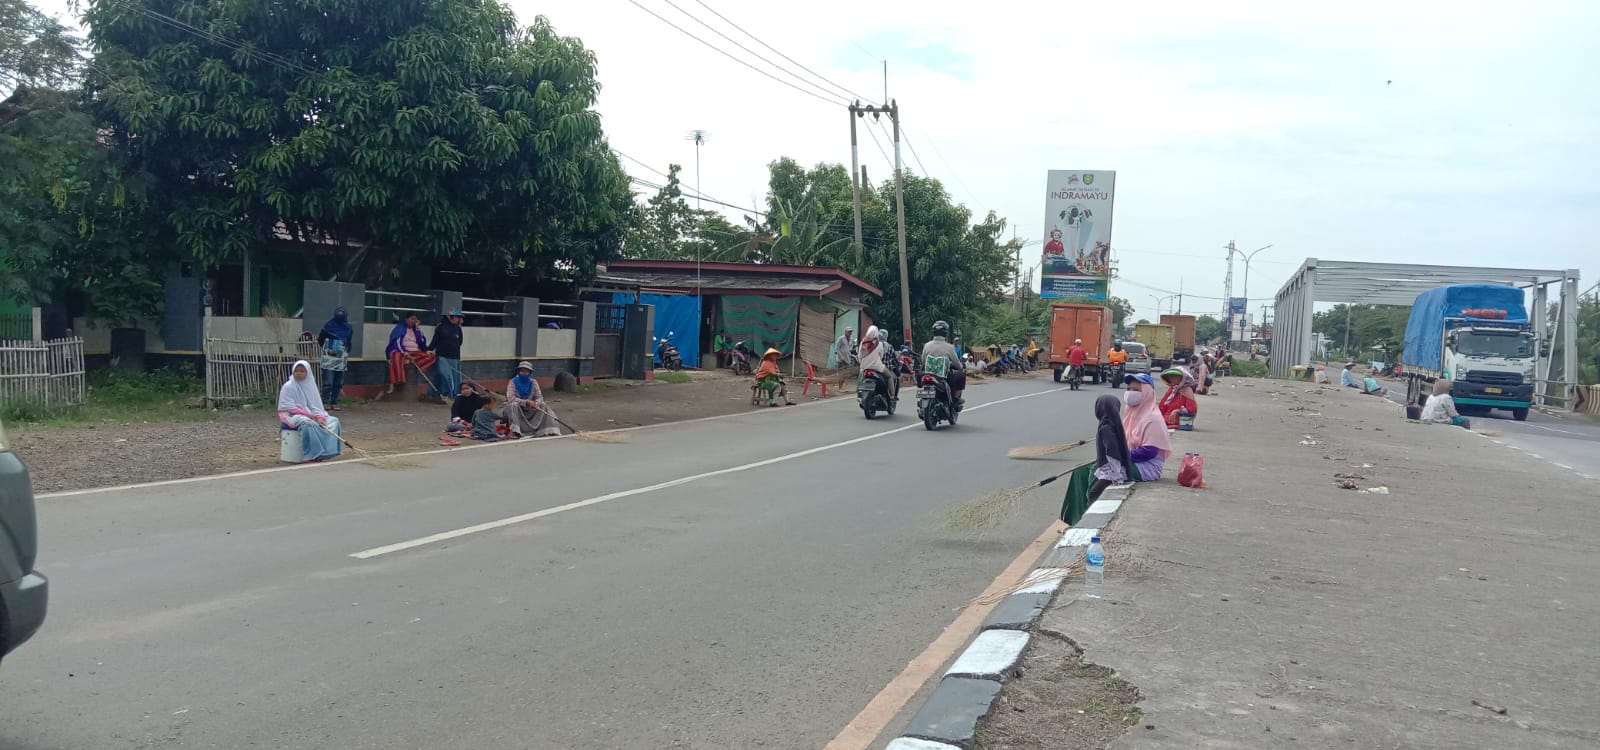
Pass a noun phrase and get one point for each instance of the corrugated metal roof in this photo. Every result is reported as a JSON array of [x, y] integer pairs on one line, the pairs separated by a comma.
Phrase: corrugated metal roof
[[715, 282]]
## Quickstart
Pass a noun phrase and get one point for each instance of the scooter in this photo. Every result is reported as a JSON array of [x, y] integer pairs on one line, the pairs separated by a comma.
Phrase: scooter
[[742, 359], [875, 393], [1116, 374], [668, 354], [934, 404]]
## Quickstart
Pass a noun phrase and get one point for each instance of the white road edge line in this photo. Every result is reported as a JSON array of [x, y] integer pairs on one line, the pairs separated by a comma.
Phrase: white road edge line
[[513, 520], [425, 452]]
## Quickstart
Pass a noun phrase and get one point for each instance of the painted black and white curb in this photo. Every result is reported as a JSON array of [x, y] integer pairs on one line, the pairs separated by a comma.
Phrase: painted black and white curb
[[949, 718]]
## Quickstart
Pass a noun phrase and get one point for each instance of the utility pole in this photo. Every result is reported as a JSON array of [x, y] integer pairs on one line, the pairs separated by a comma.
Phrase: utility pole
[[892, 109], [900, 211], [1180, 295], [857, 178], [699, 138], [1227, 290]]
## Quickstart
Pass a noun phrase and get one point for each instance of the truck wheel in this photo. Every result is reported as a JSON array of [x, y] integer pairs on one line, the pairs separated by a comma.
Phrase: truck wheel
[[1521, 415], [1057, 374]]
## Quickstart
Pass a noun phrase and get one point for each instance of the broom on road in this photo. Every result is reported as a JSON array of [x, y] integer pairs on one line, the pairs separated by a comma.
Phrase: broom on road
[[982, 514], [380, 461], [584, 435], [1042, 451]]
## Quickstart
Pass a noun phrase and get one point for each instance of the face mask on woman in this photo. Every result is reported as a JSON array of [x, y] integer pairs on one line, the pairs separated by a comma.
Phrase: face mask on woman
[[1133, 398]]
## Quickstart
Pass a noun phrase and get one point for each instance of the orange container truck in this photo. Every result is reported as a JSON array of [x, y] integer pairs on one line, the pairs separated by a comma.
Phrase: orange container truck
[[1092, 323], [1182, 336]]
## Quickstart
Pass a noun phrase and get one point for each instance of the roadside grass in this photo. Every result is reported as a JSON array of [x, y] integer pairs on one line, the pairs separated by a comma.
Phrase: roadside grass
[[673, 376], [116, 396], [1246, 368]]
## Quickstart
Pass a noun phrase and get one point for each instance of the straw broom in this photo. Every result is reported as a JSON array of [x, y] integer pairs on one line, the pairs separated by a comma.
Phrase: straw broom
[[1042, 451], [982, 514], [586, 436], [380, 461]]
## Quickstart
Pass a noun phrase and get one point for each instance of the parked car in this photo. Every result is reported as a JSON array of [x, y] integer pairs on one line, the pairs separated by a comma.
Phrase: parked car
[[1138, 357], [23, 592]]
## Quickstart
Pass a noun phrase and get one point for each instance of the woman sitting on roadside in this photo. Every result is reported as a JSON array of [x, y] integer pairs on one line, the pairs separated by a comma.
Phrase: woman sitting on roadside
[[300, 409], [1113, 459], [1148, 444], [1441, 407], [525, 410], [1179, 400], [770, 380]]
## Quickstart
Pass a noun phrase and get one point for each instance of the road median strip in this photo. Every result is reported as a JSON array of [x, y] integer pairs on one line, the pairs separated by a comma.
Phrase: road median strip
[[950, 717]]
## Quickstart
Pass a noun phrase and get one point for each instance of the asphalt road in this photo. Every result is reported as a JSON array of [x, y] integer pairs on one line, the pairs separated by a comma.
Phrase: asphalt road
[[750, 581], [1570, 441]]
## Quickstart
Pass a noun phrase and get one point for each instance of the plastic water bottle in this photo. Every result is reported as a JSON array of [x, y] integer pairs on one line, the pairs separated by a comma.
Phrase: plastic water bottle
[[1094, 569]]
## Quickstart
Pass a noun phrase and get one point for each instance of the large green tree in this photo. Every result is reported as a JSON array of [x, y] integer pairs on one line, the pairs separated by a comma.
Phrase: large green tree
[[71, 219], [380, 130], [1363, 327], [666, 227]]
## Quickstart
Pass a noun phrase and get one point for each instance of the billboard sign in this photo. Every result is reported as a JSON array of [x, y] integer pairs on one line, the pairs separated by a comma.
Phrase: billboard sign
[[1077, 234], [1236, 305]]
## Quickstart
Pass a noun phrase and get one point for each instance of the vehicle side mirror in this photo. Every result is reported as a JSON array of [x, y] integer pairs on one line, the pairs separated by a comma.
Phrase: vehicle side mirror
[[1450, 341]]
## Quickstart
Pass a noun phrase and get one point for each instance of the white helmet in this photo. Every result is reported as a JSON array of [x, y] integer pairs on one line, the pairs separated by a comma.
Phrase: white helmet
[[1077, 341]]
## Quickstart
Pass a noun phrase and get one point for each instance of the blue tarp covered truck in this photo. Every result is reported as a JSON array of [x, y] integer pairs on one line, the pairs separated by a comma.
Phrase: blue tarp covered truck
[[1478, 337]]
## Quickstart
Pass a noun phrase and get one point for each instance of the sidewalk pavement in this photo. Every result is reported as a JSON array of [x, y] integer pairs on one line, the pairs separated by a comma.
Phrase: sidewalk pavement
[[1276, 609]]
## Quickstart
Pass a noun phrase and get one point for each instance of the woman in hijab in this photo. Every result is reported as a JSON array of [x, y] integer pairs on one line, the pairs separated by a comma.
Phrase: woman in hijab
[[335, 339], [876, 357], [1441, 406], [525, 410], [1148, 444], [1202, 374], [406, 343], [1179, 399], [300, 409], [1113, 461], [770, 380]]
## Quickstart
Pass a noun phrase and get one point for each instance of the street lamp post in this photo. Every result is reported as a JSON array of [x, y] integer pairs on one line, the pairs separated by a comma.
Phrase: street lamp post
[[1247, 258]]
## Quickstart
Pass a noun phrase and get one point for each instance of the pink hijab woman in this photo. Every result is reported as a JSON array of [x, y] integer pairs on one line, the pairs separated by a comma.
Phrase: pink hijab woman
[[1148, 444]]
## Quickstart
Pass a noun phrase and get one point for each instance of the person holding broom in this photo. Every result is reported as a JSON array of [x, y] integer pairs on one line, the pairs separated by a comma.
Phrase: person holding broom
[[300, 409], [1148, 443], [407, 344], [525, 411], [1113, 461]]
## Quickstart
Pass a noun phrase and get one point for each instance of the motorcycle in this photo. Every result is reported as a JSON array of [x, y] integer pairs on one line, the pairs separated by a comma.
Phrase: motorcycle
[[934, 404], [667, 354], [875, 393], [1075, 376], [743, 359], [1117, 370]]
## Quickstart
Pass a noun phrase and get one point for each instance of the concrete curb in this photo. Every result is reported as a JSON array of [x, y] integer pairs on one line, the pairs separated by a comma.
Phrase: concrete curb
[[949, 718]]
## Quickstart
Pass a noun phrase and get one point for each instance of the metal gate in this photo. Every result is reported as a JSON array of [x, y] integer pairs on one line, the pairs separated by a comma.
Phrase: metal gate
[[608, 322]]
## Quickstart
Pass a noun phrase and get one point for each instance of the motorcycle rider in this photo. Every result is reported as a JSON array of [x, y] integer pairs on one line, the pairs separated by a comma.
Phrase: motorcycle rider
[[940, 346], [876, 356], [1118, 358], [1076, 356]]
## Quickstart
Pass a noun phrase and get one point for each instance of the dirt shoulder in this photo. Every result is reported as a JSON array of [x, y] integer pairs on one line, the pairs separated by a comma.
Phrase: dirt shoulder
[[112, 452]]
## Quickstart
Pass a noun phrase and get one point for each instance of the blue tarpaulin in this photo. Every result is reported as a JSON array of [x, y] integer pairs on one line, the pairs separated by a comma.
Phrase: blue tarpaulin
[[677, 315], [1425, 329]]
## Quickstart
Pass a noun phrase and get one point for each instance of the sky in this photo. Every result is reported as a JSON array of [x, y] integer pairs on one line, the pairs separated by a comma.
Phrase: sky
[[1459, 132]]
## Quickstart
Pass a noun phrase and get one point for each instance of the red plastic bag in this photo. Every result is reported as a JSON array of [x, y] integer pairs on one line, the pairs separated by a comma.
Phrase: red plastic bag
[[1191, 473]]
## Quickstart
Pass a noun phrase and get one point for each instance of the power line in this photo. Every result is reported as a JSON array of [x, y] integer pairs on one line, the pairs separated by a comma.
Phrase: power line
[[916, 157], [747, 50], [780, 54], [269, 57], [726, 54], [953, 173], [879, 144]]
